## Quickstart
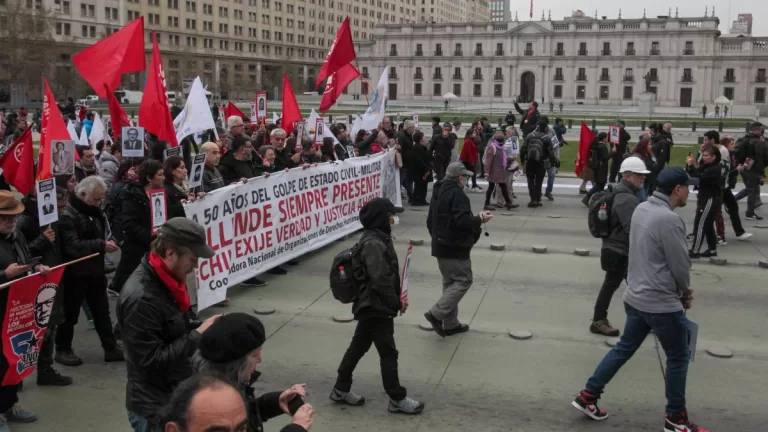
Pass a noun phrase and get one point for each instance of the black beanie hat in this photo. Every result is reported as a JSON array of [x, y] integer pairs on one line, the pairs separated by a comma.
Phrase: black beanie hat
[[231, 337]]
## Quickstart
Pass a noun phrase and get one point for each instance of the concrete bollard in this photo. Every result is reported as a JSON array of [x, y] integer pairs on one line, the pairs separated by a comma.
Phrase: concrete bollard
[[498, 247], [581, 252], [718, 261], [343, 318], [539, 249], [263, 311], [416, 242], [762, 263], [520, 334], [720, 352]]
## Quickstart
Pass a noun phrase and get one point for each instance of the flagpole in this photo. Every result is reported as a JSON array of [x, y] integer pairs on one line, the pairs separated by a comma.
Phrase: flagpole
[[362, 78], [7, 284]]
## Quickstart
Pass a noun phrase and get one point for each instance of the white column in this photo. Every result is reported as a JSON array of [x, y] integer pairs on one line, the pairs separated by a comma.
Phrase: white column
[[258, 74]]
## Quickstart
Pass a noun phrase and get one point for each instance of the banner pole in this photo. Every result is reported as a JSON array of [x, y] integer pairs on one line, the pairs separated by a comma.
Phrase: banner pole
[[7, 284]]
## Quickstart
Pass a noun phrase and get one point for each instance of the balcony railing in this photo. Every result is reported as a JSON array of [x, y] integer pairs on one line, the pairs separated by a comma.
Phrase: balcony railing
[[438, 53], [559, 77], [654, 78], [418, 76], [628, 78], [419, 53], [605, 77], [499, 52], [437, 77], [630, 52], [729, 79], [393, 53], [687, 78], [581, 77], [498, 77], [559, 52], [689, 52], [479, 53], [655, 52], [605, 52], [761, 78], [458, 53], [528, 52], [393, 76], [477, 77], [457, 77], [583, 52]]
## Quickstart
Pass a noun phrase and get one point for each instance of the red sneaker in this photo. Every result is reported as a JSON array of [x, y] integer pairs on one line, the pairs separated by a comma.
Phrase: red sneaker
[[586, 402], [680, 423]]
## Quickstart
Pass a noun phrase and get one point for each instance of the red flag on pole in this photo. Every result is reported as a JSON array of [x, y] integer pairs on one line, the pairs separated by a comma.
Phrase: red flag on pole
[[52, 128], [231, 110], [105, 62], [336, 84], [30, 301], [117, 115], [154, 114], [18, 163], [585, 142], [342, 52], [291, 112], [531, 13]]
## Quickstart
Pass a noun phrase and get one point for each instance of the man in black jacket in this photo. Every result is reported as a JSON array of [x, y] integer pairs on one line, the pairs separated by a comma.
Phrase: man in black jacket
[[617, 157], [530, 117], [231, 349], [46, 243], [212, 178], [285, 157], [441, 147], [83, 232], [375, 309], [535, 153], [405, 141], [238, 164], [750, 151], [159, 329], [709, 199], [454, 232]]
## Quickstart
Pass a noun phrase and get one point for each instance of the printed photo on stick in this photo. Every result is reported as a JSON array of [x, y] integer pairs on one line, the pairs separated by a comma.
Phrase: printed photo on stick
[[416, 120], [261, 100], [614, 134], [46, 202], [300, 130], [196, 173], [171, 151], [157, 208], [133, 142], [63, 157], [319, 127], [253, 117]]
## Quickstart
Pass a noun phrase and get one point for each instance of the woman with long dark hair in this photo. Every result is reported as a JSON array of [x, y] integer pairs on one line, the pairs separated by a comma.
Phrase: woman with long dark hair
[[176, 186], [598, 161]]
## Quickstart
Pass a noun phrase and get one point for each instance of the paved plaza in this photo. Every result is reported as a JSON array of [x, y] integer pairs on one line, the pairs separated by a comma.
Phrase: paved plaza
[[482, 380]]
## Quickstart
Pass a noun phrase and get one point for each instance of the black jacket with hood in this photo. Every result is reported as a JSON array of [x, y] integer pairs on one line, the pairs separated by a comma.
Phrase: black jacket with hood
[[710, 178], [233, 169], [83, 230], [135, 220], [380, 295], [450, 222]]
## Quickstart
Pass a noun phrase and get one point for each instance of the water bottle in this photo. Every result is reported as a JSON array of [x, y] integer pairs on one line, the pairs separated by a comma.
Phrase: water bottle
[[342, 273], [602, 214]]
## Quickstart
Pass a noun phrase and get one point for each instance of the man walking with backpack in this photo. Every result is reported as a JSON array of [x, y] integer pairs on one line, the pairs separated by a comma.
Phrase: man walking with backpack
[[535, 153], [619, 205], [375, 307]]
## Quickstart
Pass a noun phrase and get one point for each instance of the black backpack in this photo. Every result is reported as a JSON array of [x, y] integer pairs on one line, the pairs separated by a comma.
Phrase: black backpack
[[599, 222], [535, 149], [347, 274], [740, 149]]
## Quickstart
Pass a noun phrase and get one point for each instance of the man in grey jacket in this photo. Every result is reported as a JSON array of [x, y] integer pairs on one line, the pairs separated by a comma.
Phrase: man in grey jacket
[[614, 255], [656, 298]]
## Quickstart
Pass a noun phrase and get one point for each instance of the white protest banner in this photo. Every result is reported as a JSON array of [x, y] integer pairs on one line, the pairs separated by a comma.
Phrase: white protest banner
[[196, 171], [267, 221], [404, 277], [196, 115], [46, 202]]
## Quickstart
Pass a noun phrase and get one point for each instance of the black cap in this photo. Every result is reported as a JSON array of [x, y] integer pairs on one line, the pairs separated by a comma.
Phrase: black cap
[[675, 176], [188, 233], [382, 204], [231, 337]]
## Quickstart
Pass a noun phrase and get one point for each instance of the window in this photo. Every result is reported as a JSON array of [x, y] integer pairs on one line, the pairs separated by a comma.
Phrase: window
[[88, 31], [760, 95], [154, 19], [132, 15], [393, 72], [728, 92], [655, 48], [687, 75], [603, 92], [207, 9], [457, 89], [63, 29], [630, 48], [457, 73], [191, 24], [604, 74], [560, 49], [558, 91], [582, 75], [627, 92], [760, 75], [654, 74], [477, 90], [173, 21], [223, 12], [417, 89], [437, 89], [497, 90], [688, 48], [730, 75], [582, 48], [628, 74], [499, 49], [457, 51], [393, 49], [529, 48], [110, 13], [173, 4], [606, 48], [438, 49], [581, 92], [191, 6]]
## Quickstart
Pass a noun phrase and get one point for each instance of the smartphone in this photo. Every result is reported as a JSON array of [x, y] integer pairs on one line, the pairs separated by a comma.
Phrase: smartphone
[[33, 261], [295, 404]]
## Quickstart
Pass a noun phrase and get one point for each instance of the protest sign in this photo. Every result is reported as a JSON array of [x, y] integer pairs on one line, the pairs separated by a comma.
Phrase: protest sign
[[268, 221], [613, 133], [171, 151], [404, 276], [319, 129], [416, 120], [300, 132], [196, 172], [157, 208], [46, 202], [30, 304], [261, 101], [133, 142], [63, 157]]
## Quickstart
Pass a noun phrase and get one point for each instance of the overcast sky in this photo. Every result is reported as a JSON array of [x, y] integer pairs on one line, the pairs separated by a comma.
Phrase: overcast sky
[[631, 9]]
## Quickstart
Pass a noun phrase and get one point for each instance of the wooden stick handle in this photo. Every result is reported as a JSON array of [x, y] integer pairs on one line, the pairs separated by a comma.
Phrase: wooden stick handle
[[7, 284]]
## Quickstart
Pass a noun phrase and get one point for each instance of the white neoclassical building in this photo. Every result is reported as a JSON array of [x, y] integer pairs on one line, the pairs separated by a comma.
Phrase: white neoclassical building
[[575, 60]]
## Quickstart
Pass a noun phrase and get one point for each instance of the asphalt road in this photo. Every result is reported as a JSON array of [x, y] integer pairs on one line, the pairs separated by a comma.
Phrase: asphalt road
[[482, 380]]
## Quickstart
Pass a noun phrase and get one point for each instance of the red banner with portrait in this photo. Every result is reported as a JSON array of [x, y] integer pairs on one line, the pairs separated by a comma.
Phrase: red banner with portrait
[[29, 308]]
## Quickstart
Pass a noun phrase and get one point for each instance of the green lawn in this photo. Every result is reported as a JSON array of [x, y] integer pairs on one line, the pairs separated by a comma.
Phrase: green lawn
[[568, 155]]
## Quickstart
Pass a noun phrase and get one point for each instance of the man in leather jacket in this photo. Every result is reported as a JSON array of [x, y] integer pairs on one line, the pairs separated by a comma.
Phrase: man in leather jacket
[[159, 329]]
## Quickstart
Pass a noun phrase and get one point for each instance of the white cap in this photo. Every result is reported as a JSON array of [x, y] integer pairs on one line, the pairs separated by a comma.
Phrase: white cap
[[633, 164]]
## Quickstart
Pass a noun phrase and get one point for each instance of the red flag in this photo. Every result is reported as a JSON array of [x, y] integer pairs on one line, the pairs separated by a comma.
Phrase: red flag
[[117, 115], [30, 301], [105, 62], [291, 112], [18, 163], [531, 13], [342, 53], [52, 128], [154, 114], [231, 110], [585, 142], [336, 84]]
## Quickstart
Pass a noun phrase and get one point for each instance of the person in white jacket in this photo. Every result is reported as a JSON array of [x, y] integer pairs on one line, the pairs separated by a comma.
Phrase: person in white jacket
[[512, 149]]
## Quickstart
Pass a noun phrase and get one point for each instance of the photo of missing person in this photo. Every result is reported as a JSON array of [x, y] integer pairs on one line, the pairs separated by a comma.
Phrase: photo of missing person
[[63, 157]]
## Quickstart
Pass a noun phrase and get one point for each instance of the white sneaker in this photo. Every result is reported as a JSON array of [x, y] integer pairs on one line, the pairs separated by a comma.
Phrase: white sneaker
[[406, 406], [744, 236]]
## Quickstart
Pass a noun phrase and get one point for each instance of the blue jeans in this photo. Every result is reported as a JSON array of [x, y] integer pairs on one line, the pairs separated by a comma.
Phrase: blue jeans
[[671, 330], [139, 423], [551, 173]]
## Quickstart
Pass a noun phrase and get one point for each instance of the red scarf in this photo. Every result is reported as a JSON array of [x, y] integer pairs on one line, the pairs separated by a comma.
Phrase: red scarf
[[531, 109], [178, 289]]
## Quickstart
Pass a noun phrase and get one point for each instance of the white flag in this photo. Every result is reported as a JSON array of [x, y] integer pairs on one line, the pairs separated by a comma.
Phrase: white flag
[[98, 131], [83, 140], [356, 126], [196, 115], [72, 131], [312, 121], [375, 112], [275, 117]]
